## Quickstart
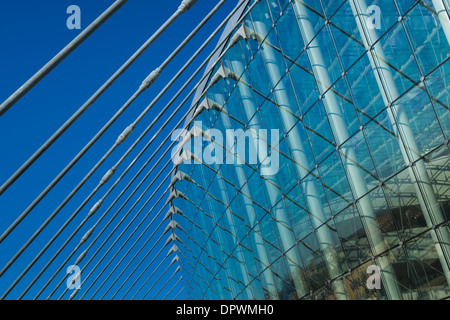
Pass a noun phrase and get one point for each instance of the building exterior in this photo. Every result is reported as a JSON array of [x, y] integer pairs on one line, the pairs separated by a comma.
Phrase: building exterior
[[316, 163]]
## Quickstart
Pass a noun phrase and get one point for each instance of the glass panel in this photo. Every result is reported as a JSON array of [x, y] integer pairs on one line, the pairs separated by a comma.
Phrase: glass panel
[[314, 194], [385, 224], [356, 284], [315, 271], [287, 173], [364, 88], [297, 209], [335, 183], [438, 169], [304, 84], [319, 132], [352, 236], [314, 12], [399, 56], [356, 153], [346, 36], [439, 89], [289, 35], [422, 120], [406, 211], [427, 37], [337, 98], [330, 60], [384, 146], [420, 270]]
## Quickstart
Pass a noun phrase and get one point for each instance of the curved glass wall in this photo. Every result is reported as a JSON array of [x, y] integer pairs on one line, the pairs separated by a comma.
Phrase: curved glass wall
[[316, 164]]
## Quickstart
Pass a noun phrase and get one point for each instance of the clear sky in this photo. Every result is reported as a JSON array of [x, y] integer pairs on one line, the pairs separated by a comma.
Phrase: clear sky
[[31, 33]]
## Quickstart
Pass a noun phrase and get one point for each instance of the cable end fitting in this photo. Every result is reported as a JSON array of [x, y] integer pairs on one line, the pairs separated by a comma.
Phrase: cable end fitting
[[175, 259], [179, 176], [172, 225], [173, 210], [173, 249], [176, 194]]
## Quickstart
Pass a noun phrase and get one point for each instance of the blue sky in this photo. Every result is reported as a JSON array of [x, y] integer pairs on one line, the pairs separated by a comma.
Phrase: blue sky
[[31, 33]]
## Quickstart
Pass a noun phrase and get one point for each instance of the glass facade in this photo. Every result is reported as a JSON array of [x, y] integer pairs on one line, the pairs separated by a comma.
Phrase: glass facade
[[351, 98]]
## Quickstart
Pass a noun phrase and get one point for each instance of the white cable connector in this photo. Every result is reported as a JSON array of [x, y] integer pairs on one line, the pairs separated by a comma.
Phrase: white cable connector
[[125, 134], [108, 175], [95, 208], [86, 236], [151, 78], [186, 5], [81, 257]]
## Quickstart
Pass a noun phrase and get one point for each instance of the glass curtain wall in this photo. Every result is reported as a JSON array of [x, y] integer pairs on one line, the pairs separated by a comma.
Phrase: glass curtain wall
[[351, 99]]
